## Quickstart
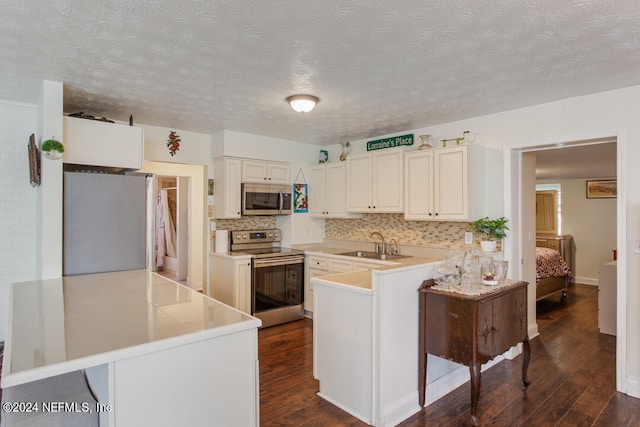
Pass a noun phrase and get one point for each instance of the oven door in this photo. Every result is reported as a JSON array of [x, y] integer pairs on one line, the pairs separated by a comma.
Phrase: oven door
[[277, 282]]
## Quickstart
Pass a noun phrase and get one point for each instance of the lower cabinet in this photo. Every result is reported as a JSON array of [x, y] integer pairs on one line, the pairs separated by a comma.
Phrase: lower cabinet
[[231, 281]]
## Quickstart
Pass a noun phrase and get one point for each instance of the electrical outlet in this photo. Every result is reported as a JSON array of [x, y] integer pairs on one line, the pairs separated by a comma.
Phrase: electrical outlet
[[468, 237]]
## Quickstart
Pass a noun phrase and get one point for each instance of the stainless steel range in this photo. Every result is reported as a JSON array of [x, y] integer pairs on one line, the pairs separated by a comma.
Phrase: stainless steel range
[[277, 275]]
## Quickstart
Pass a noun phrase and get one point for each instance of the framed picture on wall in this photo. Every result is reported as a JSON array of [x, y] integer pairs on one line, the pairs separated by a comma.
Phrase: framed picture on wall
[[602, 189], [300, 198]]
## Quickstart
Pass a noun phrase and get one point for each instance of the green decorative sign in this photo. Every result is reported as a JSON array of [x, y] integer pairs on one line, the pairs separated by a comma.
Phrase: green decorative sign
[[396, 141]]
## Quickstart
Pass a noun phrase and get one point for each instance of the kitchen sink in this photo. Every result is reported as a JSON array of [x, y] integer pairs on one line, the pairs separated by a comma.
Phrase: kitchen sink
[[372, 255]]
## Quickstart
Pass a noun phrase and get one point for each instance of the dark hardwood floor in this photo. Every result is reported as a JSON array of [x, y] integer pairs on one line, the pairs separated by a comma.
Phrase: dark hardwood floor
[[572, 372]]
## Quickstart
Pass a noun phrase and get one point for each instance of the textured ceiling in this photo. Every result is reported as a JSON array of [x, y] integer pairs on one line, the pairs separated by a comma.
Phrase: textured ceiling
[[378, 66]]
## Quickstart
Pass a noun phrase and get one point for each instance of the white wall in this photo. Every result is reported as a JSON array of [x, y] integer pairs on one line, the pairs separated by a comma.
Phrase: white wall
[[20, 248], [592, 223], [195, 148]]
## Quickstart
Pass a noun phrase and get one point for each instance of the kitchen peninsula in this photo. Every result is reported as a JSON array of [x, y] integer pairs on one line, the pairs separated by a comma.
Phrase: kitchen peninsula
[[366, 339], [366, 332], [157, 352]]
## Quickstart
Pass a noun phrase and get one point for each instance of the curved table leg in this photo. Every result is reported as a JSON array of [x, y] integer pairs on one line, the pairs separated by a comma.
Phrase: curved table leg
[[474, 370], [526, 356]]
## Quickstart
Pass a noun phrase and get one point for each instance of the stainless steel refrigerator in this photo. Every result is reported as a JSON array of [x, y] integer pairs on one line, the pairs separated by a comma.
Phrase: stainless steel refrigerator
[[104, 222]]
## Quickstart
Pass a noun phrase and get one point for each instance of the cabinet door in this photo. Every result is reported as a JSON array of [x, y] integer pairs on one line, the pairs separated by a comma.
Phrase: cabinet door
[[278, 173], [242, 286], [254, 171], [388, 181], [418, 199], [92, 142], [228, 187], [317, 191], [485, 330], [451, 198], [509, 320], [359, 183], [335, 196]]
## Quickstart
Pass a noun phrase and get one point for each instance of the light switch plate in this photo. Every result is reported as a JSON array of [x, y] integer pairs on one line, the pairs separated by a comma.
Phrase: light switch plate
[[468, 237]]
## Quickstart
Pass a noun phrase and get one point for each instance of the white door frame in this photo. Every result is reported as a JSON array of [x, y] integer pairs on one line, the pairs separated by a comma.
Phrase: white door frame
[[512, 156]]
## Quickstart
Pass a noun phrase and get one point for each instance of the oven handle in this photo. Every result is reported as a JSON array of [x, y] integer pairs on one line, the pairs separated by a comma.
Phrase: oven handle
[[271, 262]]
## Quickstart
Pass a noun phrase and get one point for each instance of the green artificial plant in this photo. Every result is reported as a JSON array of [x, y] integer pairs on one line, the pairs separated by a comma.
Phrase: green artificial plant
[[51, 145], [493, 228]]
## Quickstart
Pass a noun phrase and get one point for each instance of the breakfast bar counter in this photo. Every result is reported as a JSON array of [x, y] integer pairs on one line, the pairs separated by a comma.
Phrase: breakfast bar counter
[[156, 352]]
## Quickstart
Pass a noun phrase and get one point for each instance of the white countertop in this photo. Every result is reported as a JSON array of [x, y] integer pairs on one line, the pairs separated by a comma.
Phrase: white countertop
[[60, 325]]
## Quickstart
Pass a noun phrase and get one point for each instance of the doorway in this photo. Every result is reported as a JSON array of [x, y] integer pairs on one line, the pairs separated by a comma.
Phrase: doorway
[[192, 183], [520, 247], [172, 226]]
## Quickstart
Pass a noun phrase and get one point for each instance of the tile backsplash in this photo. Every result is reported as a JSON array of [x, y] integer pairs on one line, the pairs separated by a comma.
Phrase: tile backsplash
[[247, 223], [394, 226]]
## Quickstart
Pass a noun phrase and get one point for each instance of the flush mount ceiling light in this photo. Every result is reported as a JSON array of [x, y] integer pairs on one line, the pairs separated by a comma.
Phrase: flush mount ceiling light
[[303, 103]]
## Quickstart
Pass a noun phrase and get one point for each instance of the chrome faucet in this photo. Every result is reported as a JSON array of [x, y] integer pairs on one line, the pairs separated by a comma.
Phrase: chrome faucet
[[384, 245], [394, 247]]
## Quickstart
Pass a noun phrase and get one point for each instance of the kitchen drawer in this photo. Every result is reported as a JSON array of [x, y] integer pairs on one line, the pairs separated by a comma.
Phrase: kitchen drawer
[[336, 266], [365, 265], [318, 263]]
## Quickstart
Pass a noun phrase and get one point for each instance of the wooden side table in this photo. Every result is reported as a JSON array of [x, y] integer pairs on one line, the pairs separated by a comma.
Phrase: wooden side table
[[471, 330]]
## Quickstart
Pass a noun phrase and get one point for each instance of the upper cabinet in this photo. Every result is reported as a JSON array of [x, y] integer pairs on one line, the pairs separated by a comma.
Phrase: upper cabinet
[[92, 142], [228, 174], [444, 184], [375, 181], [327, 191], [265, 172]]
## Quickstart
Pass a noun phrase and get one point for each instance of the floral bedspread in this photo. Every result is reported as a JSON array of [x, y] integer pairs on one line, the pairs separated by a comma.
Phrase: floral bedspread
[[549, 263]]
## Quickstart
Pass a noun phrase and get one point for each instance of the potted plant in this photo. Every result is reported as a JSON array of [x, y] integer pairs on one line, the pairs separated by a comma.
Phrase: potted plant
[[52, 149], [493, 229]]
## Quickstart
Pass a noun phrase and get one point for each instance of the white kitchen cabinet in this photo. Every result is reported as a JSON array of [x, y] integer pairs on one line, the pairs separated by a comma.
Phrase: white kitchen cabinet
[[418, 185], [327, 191], [259, 171], [375, 181], [444, 184], [96, 143], [228, 197], [231, 280], [319, 265]]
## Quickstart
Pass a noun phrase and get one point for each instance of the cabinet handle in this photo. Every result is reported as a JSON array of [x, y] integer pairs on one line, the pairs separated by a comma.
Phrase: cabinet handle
[[269, 179], [430, 214], [436, 213]]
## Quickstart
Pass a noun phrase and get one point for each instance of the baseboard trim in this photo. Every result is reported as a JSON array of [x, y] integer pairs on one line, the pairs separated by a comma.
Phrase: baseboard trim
[[633, 388], [400, 410], [585, 281]]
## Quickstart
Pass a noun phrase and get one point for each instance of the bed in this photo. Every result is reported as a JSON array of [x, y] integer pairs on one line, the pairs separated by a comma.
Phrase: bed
[[553, 274]]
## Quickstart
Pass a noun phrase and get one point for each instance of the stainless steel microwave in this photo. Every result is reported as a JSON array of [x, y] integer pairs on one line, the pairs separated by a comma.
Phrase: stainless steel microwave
[[266, 199]]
